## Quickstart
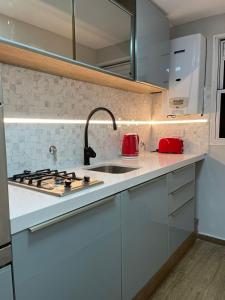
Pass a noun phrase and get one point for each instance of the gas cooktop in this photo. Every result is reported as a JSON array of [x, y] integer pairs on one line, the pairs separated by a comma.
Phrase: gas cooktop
[[53, 182]]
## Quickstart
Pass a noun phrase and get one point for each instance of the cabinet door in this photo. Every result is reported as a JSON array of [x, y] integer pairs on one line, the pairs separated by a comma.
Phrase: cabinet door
[[152, 44], [104, 34], [6, 289], [144, 234], [41, 24], [181, 225], [77, 259]]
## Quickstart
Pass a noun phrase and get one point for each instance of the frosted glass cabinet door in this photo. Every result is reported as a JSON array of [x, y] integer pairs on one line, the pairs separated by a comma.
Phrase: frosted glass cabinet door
[[144, 234], [77, 259], [40, 24], [104, 34], [152, 44], [6, 289]]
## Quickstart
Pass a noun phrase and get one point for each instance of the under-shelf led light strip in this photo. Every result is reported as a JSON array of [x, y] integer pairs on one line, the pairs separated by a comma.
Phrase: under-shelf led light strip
[[103, 122]]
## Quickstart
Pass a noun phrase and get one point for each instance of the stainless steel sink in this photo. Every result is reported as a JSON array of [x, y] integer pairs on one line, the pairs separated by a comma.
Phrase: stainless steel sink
[[112, 169]]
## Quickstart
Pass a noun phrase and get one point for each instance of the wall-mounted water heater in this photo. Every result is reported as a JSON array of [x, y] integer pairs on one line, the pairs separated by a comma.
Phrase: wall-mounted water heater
[[187, 75]]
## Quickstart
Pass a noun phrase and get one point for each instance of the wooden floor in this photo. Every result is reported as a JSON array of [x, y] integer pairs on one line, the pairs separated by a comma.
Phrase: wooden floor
[[199, 276]]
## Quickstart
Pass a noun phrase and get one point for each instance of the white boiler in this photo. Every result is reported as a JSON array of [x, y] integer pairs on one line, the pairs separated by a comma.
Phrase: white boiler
[[187, 75]]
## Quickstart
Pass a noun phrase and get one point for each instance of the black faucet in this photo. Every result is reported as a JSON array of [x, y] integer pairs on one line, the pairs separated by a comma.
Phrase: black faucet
[[88, 151]]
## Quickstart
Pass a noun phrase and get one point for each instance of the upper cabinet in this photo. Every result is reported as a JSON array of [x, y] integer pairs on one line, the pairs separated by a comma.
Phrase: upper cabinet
[[152, 44], [89, 40], [41, 24], [104, 35]]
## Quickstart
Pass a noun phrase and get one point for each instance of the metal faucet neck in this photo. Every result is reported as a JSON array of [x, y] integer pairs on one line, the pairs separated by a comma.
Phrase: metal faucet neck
[[88, 151], [90, 116]]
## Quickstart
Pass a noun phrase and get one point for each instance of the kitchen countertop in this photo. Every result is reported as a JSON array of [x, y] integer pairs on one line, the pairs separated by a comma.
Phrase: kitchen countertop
[[29, 208]]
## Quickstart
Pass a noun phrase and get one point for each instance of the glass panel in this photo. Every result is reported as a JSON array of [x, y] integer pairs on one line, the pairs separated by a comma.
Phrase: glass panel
[[42, 24], [103, 35], [221, 81], [222, 117], [223, 48], [223, 76]]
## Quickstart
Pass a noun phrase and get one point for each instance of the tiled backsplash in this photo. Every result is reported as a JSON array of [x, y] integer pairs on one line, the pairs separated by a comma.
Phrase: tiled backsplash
[[31, 94], [195, 135], [28, 145]]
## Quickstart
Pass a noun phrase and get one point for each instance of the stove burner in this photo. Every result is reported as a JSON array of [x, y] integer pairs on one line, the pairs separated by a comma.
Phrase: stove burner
[[42, 175], [52, 181], [59, 180]]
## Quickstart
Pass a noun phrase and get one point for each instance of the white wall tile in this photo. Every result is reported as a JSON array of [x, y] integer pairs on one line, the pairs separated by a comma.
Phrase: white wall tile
[[195, 135], [31, 94]]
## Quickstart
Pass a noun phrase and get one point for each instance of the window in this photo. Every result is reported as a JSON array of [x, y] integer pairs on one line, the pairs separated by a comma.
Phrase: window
[[220, 111], [220, 115], [217, 135], [222, 65]]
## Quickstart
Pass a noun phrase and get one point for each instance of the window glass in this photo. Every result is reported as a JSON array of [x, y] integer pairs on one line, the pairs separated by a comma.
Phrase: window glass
[[222, 117]]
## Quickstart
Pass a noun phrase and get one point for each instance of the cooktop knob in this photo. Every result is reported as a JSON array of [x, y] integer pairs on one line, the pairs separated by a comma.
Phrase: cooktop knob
[[86, 179], [67, 183]]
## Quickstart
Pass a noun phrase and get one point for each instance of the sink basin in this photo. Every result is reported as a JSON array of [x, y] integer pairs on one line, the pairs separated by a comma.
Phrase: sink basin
[[112, 169]]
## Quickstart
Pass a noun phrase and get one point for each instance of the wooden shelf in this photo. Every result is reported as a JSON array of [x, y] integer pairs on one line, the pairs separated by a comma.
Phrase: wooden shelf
[[14, 54]]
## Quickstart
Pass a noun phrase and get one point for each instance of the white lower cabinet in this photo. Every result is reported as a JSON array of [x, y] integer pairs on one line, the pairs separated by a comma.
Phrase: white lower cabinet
[[76, 259], [144, 234], [6, 288], [181, 225], [107, 250]]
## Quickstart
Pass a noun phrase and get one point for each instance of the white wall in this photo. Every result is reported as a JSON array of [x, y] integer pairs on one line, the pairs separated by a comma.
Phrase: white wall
[[211, 184]]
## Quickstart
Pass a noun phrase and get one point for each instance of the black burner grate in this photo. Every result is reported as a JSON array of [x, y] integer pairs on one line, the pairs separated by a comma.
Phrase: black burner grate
[[38, 177]]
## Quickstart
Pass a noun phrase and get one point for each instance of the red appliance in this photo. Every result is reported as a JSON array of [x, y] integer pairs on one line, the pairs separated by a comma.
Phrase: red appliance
[[171, 145], [130, 145]]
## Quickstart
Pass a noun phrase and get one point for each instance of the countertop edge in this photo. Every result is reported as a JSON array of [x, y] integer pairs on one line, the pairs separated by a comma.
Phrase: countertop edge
[[24, 222]]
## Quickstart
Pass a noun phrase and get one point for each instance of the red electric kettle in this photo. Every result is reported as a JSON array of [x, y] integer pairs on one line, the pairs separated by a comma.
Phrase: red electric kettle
[[130, 145]]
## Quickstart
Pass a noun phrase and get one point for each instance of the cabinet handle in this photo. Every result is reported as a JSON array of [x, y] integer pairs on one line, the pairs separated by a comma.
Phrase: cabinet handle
[[182, 187], [70, 214], [181, 169], [145, 183], [181, 207]]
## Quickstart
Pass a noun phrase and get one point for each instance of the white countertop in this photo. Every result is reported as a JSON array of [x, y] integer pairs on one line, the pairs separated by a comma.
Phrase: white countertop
[[29, 208]]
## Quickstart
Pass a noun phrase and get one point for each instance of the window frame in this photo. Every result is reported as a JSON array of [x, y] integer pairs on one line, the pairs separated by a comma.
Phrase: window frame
[[217, 88]]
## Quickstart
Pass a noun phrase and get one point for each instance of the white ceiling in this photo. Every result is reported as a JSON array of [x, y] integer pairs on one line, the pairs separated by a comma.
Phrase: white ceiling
[[183, 11]]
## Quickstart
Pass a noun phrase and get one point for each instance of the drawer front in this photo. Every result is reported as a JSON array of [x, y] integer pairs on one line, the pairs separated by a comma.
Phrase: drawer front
[[181, 225], [180, 177], [6, 289], [181, 196]]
